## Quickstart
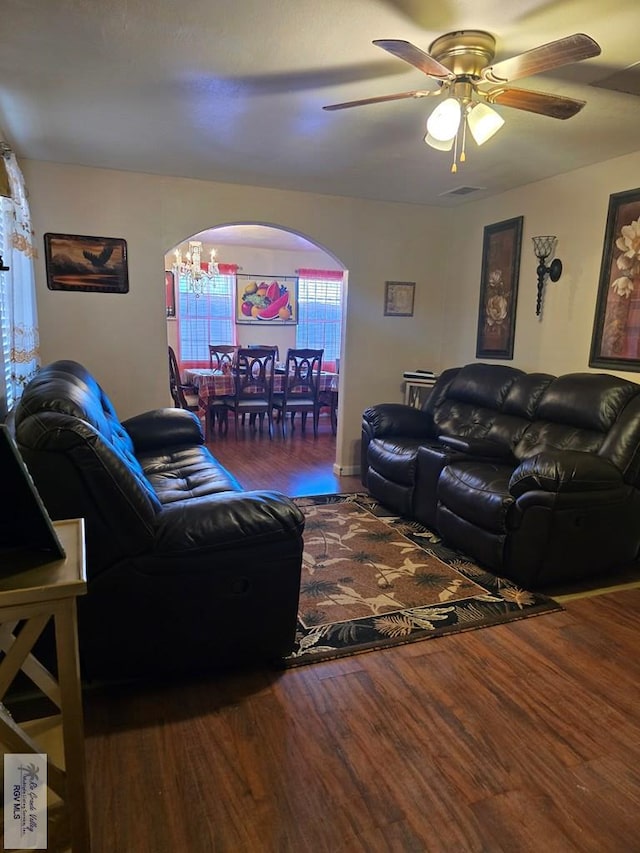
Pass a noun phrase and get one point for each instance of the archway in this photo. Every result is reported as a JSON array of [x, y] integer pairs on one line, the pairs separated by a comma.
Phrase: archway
[[263, 250]]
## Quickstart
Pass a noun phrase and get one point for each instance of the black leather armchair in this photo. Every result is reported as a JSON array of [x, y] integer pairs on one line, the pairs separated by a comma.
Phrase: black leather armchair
[[537, 477], [185, 569]]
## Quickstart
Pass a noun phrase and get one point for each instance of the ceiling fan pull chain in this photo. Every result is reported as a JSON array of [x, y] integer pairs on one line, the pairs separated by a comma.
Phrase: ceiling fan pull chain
[[463, 156], [454, 165]]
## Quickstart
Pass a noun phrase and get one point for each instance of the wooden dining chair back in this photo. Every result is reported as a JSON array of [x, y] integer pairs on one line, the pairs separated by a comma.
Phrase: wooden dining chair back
[[184, 396], [254, 372], [222, 356], [301, 388], [266, 346]]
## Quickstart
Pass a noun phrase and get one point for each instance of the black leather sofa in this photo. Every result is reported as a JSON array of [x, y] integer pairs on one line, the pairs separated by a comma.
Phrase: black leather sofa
[[186, 571], [536, 477]]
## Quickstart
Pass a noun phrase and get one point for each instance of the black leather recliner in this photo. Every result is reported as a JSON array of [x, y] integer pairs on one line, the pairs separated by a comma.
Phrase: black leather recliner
[[537, 477], [186, 570]]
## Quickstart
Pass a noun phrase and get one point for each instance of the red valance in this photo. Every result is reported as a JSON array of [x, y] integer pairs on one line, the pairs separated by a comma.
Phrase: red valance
[[223, 269], [327, 275]]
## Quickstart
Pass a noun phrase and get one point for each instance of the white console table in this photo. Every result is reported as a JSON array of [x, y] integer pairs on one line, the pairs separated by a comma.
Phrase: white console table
[[416, 391]]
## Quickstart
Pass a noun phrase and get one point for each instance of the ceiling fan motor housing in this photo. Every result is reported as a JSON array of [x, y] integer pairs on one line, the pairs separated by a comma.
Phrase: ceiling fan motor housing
[[465, 53]]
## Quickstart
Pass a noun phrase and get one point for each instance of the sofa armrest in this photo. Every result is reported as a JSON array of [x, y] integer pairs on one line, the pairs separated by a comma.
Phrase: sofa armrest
[[565, 471], [225, 521], [163, 428], [389, 419]]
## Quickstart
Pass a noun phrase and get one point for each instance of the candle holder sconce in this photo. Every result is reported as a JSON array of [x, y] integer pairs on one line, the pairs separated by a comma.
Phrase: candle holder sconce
[[544, 247]]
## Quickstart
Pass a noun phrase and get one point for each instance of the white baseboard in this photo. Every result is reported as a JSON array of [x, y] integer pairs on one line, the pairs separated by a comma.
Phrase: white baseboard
[[346, 470]]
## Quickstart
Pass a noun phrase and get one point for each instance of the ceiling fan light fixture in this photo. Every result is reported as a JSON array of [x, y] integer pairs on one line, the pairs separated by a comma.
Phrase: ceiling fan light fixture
[[439, 144], [483, 122], [444, 121]]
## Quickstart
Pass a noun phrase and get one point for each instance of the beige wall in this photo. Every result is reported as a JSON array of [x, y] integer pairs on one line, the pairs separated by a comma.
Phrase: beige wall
[[123, 338], [574, 208]]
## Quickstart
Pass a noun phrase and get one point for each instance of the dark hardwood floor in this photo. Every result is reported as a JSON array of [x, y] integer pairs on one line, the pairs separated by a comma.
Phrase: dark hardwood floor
[[520, 737], [296, 465]]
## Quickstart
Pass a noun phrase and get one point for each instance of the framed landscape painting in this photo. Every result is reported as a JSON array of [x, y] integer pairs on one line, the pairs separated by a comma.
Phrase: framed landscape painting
[[267, 300], [499, 289], [615, 343], [91, 264]]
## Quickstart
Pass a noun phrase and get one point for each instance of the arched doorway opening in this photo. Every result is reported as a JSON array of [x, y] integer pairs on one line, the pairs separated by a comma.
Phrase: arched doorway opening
[[259, 251]]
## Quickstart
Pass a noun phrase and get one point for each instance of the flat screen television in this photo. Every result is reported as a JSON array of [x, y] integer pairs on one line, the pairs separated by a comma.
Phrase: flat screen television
[[27, 535]]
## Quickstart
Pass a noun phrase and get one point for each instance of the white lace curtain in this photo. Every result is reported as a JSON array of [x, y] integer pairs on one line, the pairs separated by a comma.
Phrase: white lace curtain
[[19, 309]]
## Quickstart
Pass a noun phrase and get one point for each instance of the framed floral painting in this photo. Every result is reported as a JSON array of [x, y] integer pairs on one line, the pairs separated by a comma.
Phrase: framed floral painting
[[499, 289], [615, 343]]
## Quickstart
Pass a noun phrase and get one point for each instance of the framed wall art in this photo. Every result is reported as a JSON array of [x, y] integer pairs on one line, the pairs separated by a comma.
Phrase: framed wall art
[[264, 300], [91, 264], [615, 342], [499, 289], [399, 297]]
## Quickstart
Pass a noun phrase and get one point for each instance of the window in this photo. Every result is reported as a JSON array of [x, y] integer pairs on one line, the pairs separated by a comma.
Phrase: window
[[204, 319], [320, 313]]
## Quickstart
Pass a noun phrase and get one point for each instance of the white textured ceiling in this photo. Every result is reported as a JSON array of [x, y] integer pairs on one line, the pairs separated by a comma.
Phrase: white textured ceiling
[[233, 90]]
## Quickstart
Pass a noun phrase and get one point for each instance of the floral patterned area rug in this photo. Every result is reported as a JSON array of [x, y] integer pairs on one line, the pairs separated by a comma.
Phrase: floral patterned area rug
[[371, 579]]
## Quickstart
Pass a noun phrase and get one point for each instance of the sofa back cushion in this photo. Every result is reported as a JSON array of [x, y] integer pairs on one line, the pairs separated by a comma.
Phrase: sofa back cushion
[[481, 401], [588, 412], [68, 432]]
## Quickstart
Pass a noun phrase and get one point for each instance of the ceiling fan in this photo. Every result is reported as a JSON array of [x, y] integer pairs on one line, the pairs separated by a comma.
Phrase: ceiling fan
[[461, 64]]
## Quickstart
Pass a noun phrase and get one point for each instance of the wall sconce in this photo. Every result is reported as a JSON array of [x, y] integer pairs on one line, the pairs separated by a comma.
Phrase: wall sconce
[[544, 247]]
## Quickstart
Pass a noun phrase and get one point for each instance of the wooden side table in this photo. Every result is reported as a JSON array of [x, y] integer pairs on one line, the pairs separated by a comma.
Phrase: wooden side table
[[29, 597]]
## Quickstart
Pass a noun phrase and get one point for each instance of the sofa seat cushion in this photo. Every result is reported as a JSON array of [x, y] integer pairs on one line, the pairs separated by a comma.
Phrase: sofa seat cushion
[[186, 472], [395, 459], [477, 491]]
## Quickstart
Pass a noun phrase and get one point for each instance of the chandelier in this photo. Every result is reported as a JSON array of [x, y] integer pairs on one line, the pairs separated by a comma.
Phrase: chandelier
[[454, 115], [197, 274]]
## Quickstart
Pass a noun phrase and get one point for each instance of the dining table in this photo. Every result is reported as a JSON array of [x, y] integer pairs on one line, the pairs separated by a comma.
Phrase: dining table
[[212, 385]]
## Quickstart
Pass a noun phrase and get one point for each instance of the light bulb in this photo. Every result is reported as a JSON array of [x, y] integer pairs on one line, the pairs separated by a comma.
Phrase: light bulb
[[483, 122], [444, 121]]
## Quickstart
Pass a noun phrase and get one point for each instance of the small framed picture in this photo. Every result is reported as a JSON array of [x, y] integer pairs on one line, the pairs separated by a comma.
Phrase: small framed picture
[[90, 264], [398, 298]]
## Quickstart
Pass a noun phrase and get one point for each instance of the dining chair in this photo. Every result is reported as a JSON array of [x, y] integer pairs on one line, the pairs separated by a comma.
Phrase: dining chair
[[266, 346], [301, 388], [184, 396], [222, 356], [254, 372]]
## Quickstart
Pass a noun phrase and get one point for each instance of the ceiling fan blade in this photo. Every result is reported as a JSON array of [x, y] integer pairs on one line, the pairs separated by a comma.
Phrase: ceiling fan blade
[[552, 55], [414, 56], [555, 106], [380, 99]]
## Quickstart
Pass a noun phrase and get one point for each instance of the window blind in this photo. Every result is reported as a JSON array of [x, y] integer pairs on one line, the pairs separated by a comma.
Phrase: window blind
[[205, 318], [320, 316]]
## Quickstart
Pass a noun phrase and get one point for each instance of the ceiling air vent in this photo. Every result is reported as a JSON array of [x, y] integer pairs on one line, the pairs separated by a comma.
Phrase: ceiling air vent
[[463, 191]]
